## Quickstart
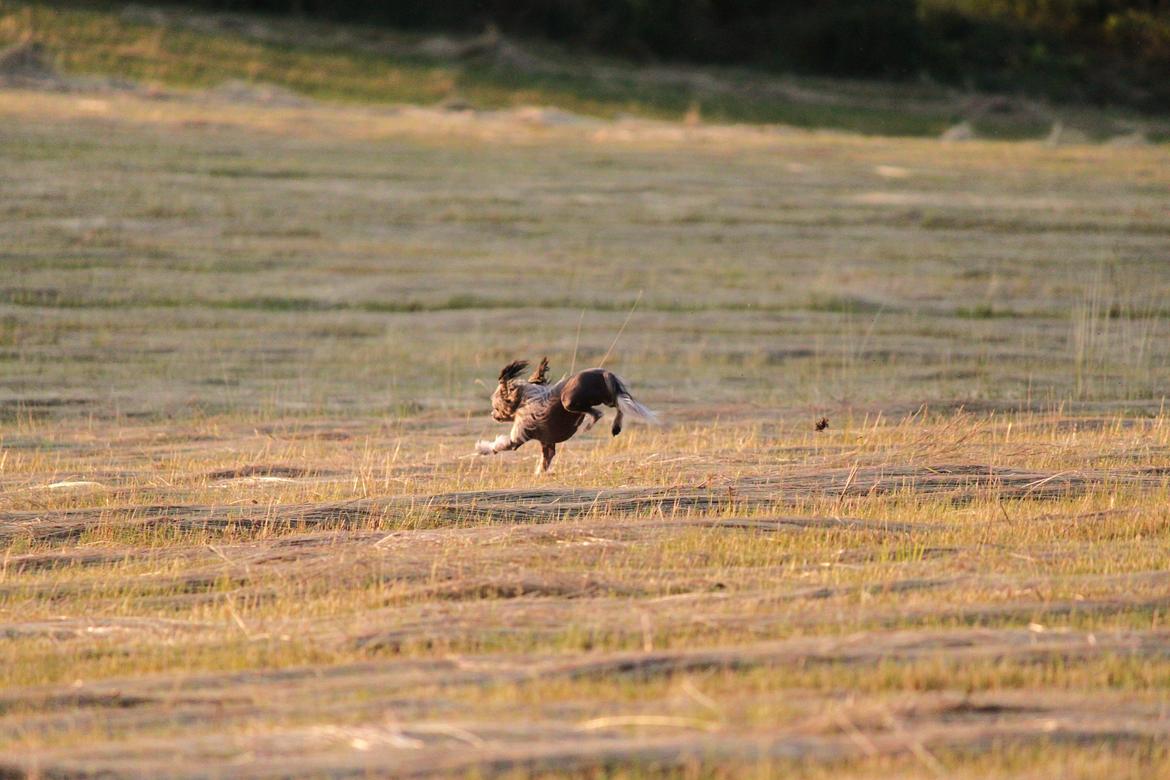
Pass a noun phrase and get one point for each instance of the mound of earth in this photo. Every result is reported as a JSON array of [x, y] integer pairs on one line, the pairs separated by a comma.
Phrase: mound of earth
[[963, 131], [444, 47], [239, 91], [490, 46], [550, 117], [1130, 140], [29, 65], [27, 62], [1060, 135]]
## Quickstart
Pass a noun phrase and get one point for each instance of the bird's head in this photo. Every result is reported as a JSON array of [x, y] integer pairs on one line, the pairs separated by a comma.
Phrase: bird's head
[[507, 396]]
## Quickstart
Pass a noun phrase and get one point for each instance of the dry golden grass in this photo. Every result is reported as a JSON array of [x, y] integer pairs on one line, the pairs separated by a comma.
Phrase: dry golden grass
[[243, 535]]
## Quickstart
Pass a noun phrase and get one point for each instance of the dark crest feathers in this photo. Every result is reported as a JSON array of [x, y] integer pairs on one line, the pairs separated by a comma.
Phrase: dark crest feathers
[[540, 376], [513, 370]]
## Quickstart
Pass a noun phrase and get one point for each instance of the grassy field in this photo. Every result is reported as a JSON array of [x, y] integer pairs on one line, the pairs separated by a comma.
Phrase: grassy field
[[246, 350], [176, 47]]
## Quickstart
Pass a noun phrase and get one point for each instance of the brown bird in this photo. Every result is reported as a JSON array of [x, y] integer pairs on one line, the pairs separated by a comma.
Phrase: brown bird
[[551, 414]]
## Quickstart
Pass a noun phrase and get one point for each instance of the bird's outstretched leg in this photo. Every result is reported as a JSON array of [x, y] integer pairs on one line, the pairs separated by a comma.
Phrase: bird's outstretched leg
[[617, 422], [594, 415], [502, 443], [548, 451]]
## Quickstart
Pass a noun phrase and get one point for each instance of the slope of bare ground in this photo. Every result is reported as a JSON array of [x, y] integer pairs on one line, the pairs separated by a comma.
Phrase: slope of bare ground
[[242, 533]]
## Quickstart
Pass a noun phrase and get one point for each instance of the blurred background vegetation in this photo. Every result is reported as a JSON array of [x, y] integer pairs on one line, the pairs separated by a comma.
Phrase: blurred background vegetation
[[1107, 51]]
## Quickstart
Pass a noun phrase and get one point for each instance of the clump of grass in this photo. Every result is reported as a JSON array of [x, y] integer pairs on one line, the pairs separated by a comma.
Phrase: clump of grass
[[1113, 340]]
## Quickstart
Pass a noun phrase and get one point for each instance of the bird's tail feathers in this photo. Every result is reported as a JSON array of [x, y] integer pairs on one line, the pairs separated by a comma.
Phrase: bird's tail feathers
[[634, 409]]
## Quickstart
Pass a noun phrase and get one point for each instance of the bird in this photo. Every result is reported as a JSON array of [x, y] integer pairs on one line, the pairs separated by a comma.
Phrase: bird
[[553, 413]]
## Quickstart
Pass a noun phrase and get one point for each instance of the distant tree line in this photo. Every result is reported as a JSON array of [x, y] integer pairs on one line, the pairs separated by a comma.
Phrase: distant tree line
[[1115, 50]]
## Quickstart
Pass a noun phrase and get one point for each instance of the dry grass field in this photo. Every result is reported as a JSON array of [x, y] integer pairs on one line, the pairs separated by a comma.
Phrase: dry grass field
[[243, 533]]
